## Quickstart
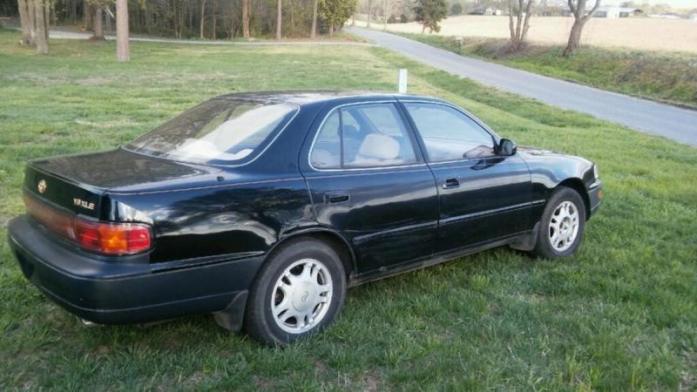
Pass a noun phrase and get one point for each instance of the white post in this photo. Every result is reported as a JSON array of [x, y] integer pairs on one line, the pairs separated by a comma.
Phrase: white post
[[402, 82]]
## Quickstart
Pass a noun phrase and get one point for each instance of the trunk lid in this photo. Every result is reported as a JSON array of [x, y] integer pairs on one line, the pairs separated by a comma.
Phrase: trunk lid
[[81, 183]]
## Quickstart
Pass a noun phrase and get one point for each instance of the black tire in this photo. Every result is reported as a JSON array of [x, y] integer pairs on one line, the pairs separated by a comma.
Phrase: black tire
[[543, 246], [260, 323]]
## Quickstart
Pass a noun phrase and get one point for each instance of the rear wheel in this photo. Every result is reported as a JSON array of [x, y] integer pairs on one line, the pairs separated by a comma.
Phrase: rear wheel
[[299, 292], [561, 228]]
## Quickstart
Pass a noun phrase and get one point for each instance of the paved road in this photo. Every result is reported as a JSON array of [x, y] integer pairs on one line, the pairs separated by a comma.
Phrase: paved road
[[646, 116]]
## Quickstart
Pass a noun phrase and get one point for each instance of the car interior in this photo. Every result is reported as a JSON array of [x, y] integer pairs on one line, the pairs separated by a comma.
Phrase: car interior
[[373, 136]]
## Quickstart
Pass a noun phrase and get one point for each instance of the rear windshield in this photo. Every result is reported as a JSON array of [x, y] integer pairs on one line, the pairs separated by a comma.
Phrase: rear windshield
[[219, 131]]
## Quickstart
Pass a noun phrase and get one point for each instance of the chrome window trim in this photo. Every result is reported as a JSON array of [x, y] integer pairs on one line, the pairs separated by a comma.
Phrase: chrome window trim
[[350, 169]]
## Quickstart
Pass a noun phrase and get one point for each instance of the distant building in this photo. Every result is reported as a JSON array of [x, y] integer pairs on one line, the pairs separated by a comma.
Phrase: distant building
[[486, 11], [613, 12]]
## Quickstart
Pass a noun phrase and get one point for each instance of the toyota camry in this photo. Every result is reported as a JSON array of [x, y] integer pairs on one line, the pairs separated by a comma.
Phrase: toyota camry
[[263, 208]]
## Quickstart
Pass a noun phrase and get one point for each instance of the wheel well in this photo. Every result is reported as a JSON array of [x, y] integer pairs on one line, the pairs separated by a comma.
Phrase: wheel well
[[342, 248], [577, 185]]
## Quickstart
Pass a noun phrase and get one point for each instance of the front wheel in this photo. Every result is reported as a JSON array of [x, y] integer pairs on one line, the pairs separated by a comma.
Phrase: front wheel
[[299, 291], [561, 228]]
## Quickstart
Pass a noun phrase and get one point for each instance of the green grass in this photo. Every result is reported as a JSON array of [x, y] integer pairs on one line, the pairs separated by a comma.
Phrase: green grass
[[621, 315], [669, 77]]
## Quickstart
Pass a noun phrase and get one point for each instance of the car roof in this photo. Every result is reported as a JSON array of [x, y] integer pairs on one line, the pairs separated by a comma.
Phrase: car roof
[[310, 97]]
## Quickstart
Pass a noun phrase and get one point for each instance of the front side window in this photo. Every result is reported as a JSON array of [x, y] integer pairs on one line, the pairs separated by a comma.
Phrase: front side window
[[362, 136], [449, 134], [219, 131]]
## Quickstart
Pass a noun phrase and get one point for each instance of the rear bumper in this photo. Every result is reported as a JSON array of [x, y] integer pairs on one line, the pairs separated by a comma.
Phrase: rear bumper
[[119, 292], [595, 194]]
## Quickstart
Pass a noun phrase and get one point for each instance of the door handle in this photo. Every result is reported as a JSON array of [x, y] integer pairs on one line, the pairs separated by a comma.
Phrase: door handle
[[451, 183], [336, 197]]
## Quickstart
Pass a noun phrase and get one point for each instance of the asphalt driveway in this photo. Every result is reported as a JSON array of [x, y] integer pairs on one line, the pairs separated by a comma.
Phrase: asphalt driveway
[[647, 116]]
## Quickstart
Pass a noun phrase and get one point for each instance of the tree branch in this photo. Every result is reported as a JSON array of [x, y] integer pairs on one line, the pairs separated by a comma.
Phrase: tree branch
[[592, 11], [572, 7]]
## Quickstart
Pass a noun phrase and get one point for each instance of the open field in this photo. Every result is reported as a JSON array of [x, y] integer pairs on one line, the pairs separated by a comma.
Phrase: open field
[[633, 33], [663, 76], [621, 315]]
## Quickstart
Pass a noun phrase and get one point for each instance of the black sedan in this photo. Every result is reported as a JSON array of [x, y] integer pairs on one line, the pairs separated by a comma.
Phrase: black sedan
[[263, 208]]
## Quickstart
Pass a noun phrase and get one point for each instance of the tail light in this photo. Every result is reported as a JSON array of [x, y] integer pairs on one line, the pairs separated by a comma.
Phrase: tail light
[[103, 237], [112, 238]]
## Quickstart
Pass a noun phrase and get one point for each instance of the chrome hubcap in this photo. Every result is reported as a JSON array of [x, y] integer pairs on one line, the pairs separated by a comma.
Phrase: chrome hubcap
[[563, 226], [301, 296]]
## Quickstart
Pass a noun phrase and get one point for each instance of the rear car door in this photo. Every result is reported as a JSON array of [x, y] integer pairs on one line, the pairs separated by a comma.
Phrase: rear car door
[[368, 180], [482, 196]]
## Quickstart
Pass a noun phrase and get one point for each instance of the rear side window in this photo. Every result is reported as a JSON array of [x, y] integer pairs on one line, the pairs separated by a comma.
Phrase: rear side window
[[363, 136], [449, 134]]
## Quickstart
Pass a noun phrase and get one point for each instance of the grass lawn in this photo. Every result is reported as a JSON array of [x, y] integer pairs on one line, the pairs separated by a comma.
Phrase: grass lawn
[[664, 76], [621, 315]]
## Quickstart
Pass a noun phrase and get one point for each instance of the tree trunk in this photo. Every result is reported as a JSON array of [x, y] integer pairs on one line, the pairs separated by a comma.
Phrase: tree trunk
[[87, 15], [370, 12], [26, 22], [574, 37], [245, 18], [519, 20], [98, 27], [331, 30], [122, 30], [511, 28], [384, 15], [203, 18], [215, 20], [279, 18], [580, 18], [31, 16], [526, 23], [41, 36], [518, 26], [313, 33]]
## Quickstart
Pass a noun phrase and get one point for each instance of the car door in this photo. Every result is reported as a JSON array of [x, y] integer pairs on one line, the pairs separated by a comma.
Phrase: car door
[[368, 181], [482, 196]]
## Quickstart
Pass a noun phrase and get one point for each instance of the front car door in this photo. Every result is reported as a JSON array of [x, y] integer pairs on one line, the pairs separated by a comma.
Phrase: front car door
[[368, 180], [482, 196]]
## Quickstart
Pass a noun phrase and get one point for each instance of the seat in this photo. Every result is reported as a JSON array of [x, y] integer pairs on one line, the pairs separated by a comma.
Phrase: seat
[[377, 150]]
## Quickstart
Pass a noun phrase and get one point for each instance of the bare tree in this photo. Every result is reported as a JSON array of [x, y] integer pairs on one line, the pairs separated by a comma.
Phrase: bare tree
[[40, 26], [245, 18], [313, 33], [87, 15], [578, 10], [203, 18], [26, 21], [98, 26], [214, 5], [370, 12], [279, 19], [384, 14], [518, 26], [122, 30]]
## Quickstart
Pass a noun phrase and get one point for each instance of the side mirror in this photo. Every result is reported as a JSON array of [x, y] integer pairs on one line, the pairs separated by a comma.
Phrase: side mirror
[[506, 147]]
